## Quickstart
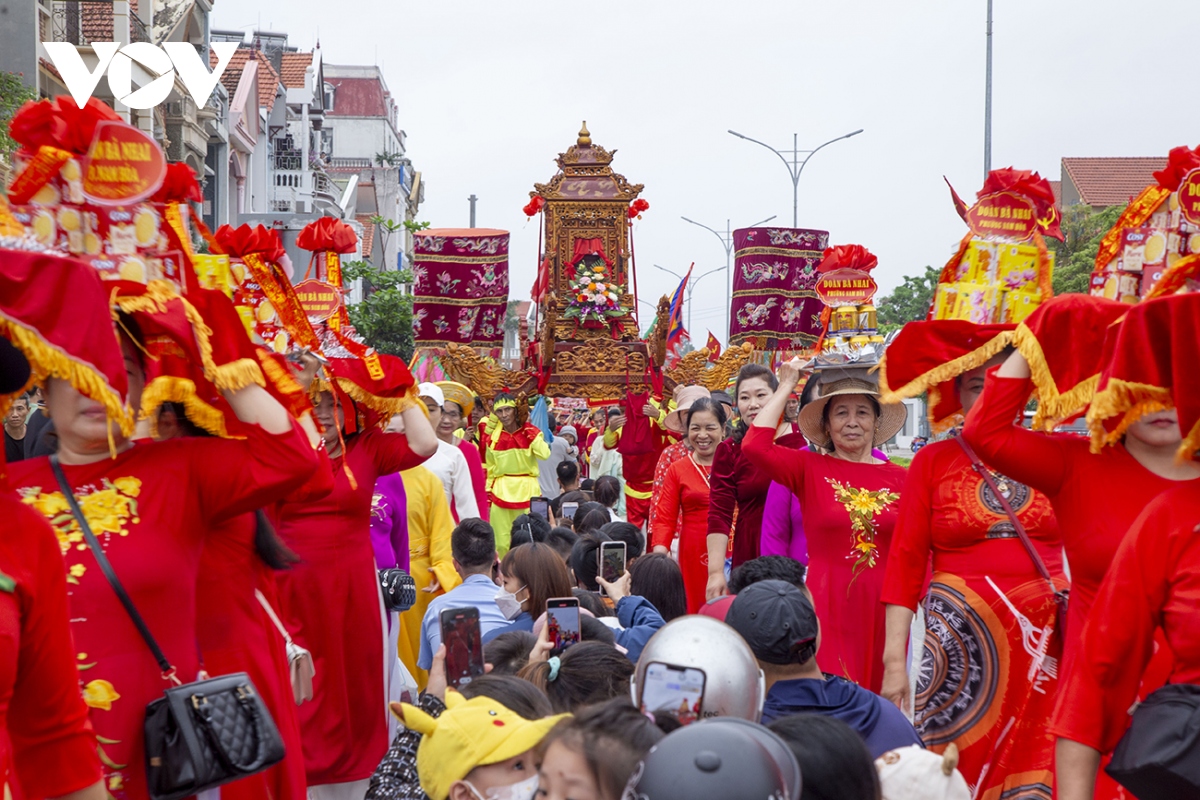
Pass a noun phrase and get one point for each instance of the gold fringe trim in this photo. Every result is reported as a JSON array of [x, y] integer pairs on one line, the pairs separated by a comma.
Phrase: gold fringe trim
[[46, 360], [1129, 400], [170, 389], [929, 381], [384, 405], [1190, 444], [1175, 277], [949, 272], [1052, 405], [279, 377], [226, 377], [237, 375]]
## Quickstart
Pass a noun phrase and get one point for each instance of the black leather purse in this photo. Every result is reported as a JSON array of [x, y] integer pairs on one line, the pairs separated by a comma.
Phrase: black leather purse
[[399, 589], [1159, 756], [198, 735]]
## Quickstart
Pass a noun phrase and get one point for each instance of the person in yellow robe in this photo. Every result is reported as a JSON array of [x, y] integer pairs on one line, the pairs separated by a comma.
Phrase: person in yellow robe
[[430, 561], [511, 448]]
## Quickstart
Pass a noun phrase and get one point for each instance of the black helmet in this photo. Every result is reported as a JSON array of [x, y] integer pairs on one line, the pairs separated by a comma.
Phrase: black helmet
[[784, 758], [714, 761]]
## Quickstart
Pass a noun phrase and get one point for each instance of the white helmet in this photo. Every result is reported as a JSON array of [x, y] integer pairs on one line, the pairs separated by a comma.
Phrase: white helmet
[[734, 685]]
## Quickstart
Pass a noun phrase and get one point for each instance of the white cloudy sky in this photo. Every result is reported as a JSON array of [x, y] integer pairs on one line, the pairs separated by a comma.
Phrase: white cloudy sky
[[489, 91]]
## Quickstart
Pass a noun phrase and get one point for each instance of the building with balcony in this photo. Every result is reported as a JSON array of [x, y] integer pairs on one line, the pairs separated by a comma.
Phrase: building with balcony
[[174, 124], [367, 158]]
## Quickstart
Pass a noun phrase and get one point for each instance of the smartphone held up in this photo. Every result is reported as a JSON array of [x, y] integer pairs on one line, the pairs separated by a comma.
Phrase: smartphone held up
[[464, 645], [562, 623], [612, 562]]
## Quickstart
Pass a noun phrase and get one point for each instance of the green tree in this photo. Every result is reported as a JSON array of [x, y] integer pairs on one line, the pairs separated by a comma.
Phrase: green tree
[[13, 94], [1075, 258], [384, 317], [908, 302]]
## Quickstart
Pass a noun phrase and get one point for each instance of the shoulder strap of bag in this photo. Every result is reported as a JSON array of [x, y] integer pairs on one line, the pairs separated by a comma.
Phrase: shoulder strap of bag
[[262, 601], [101, 559], [984, 473]]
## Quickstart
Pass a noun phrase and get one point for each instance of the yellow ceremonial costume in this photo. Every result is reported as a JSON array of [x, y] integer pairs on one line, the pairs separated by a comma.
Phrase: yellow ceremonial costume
[[511, 461], [429, 529]]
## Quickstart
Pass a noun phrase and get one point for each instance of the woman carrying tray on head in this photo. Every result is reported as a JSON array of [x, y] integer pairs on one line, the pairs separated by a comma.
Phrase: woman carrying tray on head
[[978, 682], [150, 504], [1096, 496]]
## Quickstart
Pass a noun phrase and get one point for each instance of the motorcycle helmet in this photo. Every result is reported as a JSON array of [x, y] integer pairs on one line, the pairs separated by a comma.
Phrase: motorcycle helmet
[[784, 758], [711, 761], [734, 686]]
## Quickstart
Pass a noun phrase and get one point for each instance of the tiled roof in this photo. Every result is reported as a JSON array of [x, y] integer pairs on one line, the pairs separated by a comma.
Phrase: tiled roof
[[357, 97], [1056, 187], [292, 69], [368, 237], [268, 78], [96, 20], [1110, 181]]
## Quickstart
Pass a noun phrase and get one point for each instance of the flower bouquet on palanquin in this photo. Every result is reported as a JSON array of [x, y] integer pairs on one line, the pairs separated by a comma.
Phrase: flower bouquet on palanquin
[[1002, 268], [594, 295]]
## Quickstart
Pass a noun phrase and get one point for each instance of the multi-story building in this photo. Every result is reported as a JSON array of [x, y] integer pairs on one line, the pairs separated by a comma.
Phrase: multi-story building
[[367, 159], [187, 132]]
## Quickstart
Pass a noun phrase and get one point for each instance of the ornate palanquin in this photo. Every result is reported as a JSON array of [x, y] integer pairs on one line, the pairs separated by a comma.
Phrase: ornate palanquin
[[586, 208], [586, 222]]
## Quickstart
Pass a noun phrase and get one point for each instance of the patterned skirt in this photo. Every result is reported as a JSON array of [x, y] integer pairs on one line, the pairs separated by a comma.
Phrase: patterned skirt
[[987, 683]]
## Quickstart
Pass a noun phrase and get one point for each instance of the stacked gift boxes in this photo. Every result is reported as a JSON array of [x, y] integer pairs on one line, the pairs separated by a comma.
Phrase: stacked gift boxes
[[997, 281], [1146, 252]]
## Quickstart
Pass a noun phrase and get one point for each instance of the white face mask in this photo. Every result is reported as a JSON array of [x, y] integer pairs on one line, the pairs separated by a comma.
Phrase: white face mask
[[509, 605], [525, 790]]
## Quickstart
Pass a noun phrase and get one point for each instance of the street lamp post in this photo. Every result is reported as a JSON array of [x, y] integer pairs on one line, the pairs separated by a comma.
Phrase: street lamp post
[[691, 287], [796, 166], [726, 240]]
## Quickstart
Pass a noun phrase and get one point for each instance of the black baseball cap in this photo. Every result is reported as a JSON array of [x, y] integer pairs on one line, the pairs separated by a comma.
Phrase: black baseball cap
[[777, 620], [722, 397]]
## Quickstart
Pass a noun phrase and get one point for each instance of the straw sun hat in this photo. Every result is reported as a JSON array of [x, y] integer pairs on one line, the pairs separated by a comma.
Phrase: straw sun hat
[[849, 381]]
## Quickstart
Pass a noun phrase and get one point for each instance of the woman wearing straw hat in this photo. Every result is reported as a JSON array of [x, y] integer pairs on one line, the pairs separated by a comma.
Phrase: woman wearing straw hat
[[849, 498]]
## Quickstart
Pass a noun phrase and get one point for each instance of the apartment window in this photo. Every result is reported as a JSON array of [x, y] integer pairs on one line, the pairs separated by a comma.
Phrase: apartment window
[[329, 92]]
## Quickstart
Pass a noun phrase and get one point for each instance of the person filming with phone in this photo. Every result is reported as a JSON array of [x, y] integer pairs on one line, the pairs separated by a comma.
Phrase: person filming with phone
[[473, 545]]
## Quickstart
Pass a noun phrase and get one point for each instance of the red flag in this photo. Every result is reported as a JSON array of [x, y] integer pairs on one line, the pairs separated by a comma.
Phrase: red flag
[[714, 347]]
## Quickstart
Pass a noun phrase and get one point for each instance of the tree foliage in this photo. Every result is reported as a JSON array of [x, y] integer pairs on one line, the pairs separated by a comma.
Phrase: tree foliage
[[384, 317], [1075, 258], [13, 94], [907, 302]]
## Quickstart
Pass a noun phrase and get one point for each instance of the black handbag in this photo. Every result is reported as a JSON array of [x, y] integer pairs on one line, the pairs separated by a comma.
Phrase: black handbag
[[1159, 756], [198, 735], [399, 589]]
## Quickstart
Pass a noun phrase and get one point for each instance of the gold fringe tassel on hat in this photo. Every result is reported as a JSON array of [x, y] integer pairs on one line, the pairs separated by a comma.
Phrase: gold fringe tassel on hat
[[46, 361], [929, 381], [1052, 404], [170, 389]]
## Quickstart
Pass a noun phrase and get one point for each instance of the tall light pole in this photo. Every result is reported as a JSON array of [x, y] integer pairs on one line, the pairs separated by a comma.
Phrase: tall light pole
[[987, 104], [796, 166], [726, 240], [691, 287]]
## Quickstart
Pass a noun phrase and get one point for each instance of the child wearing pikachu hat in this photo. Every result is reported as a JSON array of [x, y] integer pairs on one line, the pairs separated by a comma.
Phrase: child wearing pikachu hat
[[477, 749]]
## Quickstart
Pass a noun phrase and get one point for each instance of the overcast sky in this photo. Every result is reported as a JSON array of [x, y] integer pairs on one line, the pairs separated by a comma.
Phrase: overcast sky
[[489, 92]]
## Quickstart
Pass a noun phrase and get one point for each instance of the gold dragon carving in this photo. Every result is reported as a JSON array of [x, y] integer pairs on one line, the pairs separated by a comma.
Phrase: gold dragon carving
[[693, 369], [600, 358], [466, 366]]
